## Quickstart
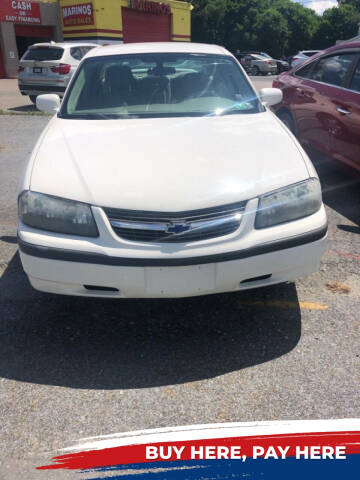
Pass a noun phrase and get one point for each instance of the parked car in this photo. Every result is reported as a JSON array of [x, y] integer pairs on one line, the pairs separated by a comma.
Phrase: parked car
[[259, 64], [302, 56], [246, 62], [282, 65], [48, 67], [164, 174], [321, 102]]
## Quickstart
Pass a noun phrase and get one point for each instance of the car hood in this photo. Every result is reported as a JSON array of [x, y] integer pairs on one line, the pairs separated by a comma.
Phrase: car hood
[[167, 164]]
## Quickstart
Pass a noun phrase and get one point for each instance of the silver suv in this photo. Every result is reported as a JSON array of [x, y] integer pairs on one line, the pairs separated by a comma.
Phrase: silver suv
[[48, 67]]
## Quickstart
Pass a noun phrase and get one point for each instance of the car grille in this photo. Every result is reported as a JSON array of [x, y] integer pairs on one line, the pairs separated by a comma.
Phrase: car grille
[[166, 227]]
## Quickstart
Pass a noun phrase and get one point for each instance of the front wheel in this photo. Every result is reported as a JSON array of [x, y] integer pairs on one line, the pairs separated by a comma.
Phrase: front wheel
[[255, 71], [33, 98]]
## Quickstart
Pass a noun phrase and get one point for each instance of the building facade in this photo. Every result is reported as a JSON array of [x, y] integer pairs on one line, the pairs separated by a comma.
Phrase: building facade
[[25, 22]]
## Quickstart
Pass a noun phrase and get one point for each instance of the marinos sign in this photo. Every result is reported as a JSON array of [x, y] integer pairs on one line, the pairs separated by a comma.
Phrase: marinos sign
[[75, 15]]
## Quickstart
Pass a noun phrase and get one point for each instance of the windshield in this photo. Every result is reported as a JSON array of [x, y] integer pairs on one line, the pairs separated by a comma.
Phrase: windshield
[[43, 53], [158, 85]]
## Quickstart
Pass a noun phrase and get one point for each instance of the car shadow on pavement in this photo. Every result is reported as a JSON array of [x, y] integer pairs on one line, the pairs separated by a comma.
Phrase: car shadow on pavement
[[121, 344], [8, 239], [24, 109], [341, 190]]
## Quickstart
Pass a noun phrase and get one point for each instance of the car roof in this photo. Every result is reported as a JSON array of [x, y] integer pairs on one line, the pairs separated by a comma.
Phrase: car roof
[[63, 44], [343, 46], [335, 48], [306, 51], [157, 47]]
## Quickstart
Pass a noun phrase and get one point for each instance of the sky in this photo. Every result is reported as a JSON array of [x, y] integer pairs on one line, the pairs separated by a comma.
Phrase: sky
[[318, 5]]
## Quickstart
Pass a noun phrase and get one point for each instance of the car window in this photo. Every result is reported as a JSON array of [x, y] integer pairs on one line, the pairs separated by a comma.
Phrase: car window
[[43, 53], [76, 52], [79, 52], [159, 84], [305, 72], [334, 69], [355, 81], [310, 54], [86, 49]]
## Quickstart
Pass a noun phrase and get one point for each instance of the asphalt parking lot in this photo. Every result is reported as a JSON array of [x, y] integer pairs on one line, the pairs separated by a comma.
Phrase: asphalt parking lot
[[77, 367]]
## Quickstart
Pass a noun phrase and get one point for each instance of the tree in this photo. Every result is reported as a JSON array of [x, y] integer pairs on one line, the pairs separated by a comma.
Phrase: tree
[[207, 21], [278, 27], [353, 3], [272, 31], [240, 19], [337, 23], [302, 25]]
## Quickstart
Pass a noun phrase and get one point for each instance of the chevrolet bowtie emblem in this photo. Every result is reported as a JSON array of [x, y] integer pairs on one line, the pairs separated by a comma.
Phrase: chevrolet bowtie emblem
[[177, 227]]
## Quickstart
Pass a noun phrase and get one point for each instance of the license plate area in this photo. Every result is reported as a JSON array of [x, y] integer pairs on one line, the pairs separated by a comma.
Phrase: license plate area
[[180, 281], [37, 70]]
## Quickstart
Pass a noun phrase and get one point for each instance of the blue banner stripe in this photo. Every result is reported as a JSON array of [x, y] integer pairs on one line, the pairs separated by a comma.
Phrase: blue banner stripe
[[259, 469]]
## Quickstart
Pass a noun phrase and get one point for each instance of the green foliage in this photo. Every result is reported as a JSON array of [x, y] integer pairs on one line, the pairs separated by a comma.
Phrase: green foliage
[[337, 23], [278, 27], [302, 24], [353, 3], [272, 31]]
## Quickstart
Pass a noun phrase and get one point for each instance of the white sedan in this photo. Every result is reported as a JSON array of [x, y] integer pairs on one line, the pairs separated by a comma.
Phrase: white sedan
[[164, 174]]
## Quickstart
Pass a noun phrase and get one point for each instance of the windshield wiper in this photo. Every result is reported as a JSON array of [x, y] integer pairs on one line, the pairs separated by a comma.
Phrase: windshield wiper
[[101, 116], [234, 111]]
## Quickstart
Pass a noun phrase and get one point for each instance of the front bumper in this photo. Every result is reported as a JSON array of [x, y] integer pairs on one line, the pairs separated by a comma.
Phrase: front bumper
[[74, 266], [88, 274]]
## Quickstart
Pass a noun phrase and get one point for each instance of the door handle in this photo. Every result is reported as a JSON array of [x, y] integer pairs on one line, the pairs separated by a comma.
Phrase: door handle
[[343, 111]]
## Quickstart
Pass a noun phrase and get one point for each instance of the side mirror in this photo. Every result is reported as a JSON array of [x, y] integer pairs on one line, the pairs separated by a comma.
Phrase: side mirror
[[48, 103], [270, 96]]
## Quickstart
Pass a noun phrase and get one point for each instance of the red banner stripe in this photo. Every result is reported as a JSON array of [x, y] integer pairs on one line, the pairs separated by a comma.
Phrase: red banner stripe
[[93, 30], [128, 454]]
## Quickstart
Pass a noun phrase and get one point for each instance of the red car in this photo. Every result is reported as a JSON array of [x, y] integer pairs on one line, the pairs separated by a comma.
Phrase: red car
[[321, 102]]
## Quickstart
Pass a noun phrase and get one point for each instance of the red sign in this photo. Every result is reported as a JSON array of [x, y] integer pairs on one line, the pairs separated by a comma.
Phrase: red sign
[[81, 14], [151, 7], [18, 11]]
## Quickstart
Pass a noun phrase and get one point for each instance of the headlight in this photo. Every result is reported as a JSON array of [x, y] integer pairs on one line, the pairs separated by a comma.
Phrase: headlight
[[56, 214], [290, 203]]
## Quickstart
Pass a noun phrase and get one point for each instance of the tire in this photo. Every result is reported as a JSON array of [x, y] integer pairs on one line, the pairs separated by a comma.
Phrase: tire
[[255, 70], [287, 120], [33, 98]]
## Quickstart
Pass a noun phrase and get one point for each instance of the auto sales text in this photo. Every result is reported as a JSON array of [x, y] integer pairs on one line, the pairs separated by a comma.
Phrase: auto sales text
[[218, 452]]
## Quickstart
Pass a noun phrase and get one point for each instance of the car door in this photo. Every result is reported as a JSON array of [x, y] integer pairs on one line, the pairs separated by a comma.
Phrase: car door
[[318, 120], [309, 108], [345, 141]]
